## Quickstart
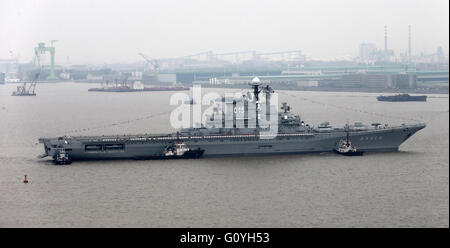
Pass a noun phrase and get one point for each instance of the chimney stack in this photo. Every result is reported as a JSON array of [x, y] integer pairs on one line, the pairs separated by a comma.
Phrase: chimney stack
[[409, 42]]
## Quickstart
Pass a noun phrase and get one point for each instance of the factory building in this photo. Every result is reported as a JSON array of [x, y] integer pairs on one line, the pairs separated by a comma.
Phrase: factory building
[[367, 52], [373, 81], [404, 81]]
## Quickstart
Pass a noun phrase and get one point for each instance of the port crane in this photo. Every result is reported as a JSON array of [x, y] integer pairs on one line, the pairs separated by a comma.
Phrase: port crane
[[153, 62], [24, 91], [42, 49]]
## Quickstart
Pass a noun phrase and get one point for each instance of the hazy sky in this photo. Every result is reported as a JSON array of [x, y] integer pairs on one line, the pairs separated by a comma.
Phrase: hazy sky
[[102, 31]]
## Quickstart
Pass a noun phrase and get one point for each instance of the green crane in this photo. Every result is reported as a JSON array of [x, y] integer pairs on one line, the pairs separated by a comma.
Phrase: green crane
[[42, 49]]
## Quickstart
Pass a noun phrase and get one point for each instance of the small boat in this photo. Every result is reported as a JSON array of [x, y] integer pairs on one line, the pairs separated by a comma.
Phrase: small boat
[[180, 150], [346, 148], [61, 157]]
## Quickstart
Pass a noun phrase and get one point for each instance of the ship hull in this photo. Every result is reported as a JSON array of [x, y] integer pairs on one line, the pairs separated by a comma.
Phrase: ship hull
[[350, 153], [151, 147], [402, 98]]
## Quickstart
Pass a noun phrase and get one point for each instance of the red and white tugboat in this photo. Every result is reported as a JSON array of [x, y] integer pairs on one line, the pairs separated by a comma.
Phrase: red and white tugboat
[[345, 148]]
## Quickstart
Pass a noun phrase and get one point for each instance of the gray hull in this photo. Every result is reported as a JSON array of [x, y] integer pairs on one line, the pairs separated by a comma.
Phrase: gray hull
[[141, 146]]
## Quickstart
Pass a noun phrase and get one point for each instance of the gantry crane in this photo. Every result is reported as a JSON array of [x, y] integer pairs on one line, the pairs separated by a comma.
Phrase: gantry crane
[[41, 49], [153, 62]]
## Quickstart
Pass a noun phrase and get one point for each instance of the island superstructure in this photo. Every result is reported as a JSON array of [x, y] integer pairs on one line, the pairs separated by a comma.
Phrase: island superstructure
[[238, 137]]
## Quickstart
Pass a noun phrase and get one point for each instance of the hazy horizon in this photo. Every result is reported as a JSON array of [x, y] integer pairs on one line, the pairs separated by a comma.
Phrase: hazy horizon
[[97, 32]]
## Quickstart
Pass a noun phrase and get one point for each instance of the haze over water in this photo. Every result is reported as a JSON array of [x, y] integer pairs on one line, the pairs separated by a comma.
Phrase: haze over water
[[409, 188], [322, 29]]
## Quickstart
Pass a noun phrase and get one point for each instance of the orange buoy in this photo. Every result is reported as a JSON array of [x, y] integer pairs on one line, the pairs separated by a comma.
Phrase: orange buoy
[[25, 179]]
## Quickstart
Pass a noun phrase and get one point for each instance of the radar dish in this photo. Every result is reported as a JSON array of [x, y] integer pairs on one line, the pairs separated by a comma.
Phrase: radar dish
[[256, 80]]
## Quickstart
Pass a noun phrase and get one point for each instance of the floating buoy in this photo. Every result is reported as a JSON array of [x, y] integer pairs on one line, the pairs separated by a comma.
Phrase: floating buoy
[[25, 179]]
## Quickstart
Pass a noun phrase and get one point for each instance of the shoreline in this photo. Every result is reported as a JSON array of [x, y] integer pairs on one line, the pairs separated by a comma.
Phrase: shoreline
[[361, 90], [281, 87]]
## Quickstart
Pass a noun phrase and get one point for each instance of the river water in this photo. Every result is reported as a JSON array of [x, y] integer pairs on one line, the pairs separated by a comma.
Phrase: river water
[[409, 188]]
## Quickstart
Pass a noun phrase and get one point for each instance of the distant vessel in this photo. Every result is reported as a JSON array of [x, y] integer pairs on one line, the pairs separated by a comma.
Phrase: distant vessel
[[403, 98], [136, 88], [129, 89], [11, 80], [27, 91], [237, 135]]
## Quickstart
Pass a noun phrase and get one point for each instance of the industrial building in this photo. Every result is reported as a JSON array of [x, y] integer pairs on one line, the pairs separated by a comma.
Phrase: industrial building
[[363, 77], [2, 78]]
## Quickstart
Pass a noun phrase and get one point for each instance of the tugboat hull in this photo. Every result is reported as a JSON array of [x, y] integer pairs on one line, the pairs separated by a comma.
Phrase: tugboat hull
[[189, 154], [349, 153], [61, 162]]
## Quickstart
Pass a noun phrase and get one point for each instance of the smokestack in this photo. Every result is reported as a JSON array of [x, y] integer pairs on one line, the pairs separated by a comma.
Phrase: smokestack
[[385, 38], [409, 42]]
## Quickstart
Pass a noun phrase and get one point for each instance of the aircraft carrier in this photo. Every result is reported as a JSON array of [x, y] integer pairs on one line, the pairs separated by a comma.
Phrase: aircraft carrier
[[236, 137]]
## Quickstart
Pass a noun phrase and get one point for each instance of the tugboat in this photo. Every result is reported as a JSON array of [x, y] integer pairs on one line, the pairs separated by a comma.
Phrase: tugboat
[[61, 157], [345, 148], [181, 150]]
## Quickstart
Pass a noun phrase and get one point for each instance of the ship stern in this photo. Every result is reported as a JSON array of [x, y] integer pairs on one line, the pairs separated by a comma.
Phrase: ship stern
[[50, 146]]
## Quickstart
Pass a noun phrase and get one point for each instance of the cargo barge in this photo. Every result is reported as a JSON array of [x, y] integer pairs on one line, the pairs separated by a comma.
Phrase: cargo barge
[[402, 98]]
